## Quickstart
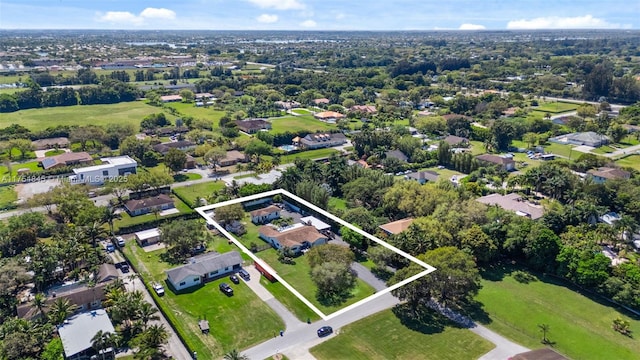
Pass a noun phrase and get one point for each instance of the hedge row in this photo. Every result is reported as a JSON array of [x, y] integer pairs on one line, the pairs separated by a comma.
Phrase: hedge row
[[155, 223]]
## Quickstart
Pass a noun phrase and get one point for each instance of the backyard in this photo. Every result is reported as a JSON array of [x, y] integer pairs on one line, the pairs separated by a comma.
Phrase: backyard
[[632, 161], [385, 336], [198, 191], [121, 113], [299, 123], [309, 154], [232, 327], [578, 326], [557, 107], [8, 197], [127, 220]]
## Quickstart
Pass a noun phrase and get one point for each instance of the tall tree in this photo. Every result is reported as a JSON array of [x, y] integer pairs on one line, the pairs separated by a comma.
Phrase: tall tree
[[175, 159]]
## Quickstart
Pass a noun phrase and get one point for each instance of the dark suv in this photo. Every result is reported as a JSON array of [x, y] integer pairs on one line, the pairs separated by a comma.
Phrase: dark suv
[[225, 288], [244, 274], [324, 331]]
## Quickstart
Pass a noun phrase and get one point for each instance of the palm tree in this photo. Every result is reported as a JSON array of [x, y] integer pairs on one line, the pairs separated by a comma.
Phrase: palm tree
[[544, 328], [150, 341], [235, 355], [99, 342], [156, 212], [39, 302], [60, 310], [109, 216], [146, 312]]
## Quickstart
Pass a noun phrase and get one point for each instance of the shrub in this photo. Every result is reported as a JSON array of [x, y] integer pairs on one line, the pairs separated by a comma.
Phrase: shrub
[[523, 277]]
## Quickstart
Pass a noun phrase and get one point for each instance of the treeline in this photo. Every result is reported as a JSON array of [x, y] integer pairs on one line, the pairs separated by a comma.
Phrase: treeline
[[107, 92]]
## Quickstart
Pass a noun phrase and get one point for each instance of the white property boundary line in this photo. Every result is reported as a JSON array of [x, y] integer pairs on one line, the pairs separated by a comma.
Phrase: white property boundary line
[[203, 209]]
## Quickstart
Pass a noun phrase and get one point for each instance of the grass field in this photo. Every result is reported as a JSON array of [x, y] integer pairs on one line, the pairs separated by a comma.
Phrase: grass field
[[6, 177], [477, 147], [236, 322], [301, 111], [383, 336], [603, 150], [579, 326], [299, 123], [8, 196], [310, 154], [562, 150], [202, 190], [337, 203], [632, 161], [121, 113], [199, 112], [557, 107]]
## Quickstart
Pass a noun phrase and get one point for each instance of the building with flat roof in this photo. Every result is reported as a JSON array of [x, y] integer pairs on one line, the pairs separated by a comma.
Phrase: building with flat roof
[[588, 138], [514, 202], [77, 331], [148, 237], [315, 222], [110, 169]]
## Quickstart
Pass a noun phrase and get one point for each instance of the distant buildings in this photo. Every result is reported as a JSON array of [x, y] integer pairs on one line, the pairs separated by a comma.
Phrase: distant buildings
[[329, 116], [602, 174], [183, 145], [396, 227], [423, 176], [514, 202], [147, 205], [456, 140], [319, 141], [44, 144], [588, 138], [252, 126], [505, 163], [366, 109], [233, 157], [170, 98], [321, 101], [396, 154]]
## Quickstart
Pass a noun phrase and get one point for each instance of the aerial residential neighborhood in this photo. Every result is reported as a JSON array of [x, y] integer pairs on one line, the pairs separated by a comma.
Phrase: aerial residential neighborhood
[[319, 180]]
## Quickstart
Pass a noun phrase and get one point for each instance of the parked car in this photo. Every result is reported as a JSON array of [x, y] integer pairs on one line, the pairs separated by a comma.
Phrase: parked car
[[110, 247], [324, 331], [120, 241], [225, 288], [244, 274], [123, 266], [234, 279], [158, 288]]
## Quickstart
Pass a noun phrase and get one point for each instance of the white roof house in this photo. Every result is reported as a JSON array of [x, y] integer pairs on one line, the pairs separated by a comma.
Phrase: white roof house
[[77, 331], [148, 234], [317, 223], [111, 168]]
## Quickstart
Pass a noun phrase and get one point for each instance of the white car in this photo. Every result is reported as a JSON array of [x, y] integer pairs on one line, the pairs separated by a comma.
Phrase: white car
[[159, 289]]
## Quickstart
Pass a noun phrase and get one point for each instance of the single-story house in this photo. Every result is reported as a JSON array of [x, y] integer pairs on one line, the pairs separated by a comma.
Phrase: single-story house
[[44, 144], [66, 159], [609, 218], [319, 141], [190, 163], [423, 176], [588, 138], [456, 140], [448, 117], [396, 154], [203, 268], [329, 115], [315, 222], [183, 145], [77, 332], [396, 227], [148, 237], [149, 204], [321, 101], [170, 98], [362, 164], [514, 202], [510, 112], [503, 162], [233, 157], [602, 174], [367, 109], [204, 96], [168, 130], [111, 168], [252, 126], [296, 237], [287, 105], [265, 215]]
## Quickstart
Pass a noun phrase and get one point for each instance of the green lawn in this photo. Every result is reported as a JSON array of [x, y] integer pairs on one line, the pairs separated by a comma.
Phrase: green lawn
[[444, 173], [290, 301], [202, 190], [337, 203], [299, 123], [603, 150], [186, 177], [632, 161], [629, 140], [562, 150], [199, 112], [579, 326], [121, 113], [309, 154], [54, 152], [383, 336], [6, 177], [8, 196], [477, 147], [301, 111], [557, 107], [236, 322]]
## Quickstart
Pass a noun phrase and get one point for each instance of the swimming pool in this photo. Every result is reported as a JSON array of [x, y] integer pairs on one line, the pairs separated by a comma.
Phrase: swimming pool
[[288, 147]]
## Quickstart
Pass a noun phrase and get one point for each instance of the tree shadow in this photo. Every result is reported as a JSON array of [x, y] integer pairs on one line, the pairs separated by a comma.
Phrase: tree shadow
[[422, 319], [475, 310], [382, 274], [334, 300], [497, 271], [180, 177]]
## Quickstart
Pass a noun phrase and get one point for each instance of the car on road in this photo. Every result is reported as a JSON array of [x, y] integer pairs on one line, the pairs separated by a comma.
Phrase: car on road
[[120, 241], [225, 288], [123, 266], [244, 274], [110, 247], [325, 331], [158, 288], [234, 279]]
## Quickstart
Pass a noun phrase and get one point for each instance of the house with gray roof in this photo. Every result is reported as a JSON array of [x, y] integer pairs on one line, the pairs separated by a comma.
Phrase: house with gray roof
[[423, 176], [514, 203], [588, 138], [397, 154], [77, 331], [203, 268], [319, 141]]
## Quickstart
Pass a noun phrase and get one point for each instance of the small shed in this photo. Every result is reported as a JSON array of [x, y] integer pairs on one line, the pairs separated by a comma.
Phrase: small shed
[[317, 223], [23, 171], [204, 326], [148, 237]]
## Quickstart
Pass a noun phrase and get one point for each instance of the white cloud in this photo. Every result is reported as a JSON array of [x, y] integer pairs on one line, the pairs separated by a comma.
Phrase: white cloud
[[308, 23], [557, 22], [267, 18], [472, 27], [279, 4], [340, 16], [158, 13]]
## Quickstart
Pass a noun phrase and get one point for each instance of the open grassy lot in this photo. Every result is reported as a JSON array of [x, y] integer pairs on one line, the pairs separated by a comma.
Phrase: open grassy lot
[[290, 301], [632, 161], [603, 150], [557, 107], [122, 113], [309, 154], [579, 326], [199, 112], [629, 140], [444, 173], [562, 150], [202, 190], [31, 165], [337, 203], [477, 147], [301, 111], [384, 336], [236, 322], [299, 123], [8, 196]]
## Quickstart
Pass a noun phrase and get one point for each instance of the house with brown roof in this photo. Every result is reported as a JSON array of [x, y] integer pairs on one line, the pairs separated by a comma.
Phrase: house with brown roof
[[66, 159], [505, 163], [321, 101], [296, 237], [366, 109], [170, 98], [44, 144], [183, 145], [514, 203], [456, 140], [252, 126], [265, 215], [510, 112], [396, 227], [79, 293], [329, 115], [602, 174], [150, 204], [233, 157]]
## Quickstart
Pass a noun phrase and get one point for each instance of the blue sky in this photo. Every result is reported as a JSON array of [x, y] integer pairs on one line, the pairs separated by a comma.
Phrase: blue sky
[[319, 15]]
